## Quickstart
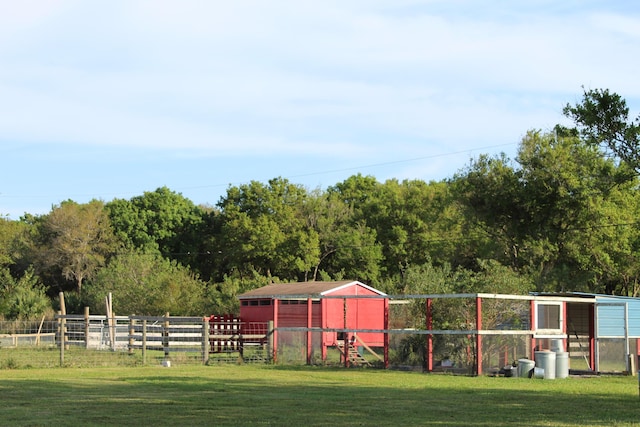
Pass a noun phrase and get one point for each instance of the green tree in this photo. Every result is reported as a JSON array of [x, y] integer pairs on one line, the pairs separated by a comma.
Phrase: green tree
[[23, 298], [574, 196], [416, 223], [263, 230], [553, 217], [413, 222], [147, 284], [74, 240], [348, 249], [160, 221], [491, 195], [603, 120], [12, 242]]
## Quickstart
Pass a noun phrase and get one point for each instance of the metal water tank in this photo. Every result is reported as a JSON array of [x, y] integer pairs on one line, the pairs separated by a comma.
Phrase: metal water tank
[[525, 366], [547, 361], [562, 364], [557, 345]]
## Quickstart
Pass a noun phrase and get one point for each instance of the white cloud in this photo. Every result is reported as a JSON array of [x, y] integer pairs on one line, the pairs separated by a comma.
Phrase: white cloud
[[397, 79]]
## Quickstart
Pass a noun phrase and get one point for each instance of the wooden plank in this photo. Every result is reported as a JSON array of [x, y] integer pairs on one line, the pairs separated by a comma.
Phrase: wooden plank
[[364, 344]]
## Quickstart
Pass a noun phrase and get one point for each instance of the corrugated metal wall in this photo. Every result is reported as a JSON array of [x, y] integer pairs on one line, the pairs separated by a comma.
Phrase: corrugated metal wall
[[610, 317]]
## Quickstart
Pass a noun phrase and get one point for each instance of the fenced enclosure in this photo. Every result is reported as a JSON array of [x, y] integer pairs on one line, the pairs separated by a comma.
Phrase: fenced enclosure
[[231, 340], [467, 334], [21, 333]]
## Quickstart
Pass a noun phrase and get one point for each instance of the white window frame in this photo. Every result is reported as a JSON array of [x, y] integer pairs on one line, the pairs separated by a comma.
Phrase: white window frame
[[551, 331]]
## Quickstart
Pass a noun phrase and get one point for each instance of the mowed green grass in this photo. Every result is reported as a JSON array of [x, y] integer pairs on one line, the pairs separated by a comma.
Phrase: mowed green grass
[[241, 395]]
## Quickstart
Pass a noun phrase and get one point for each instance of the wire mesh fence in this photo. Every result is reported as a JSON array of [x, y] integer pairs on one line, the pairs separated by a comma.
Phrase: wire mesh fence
[[440, 335]]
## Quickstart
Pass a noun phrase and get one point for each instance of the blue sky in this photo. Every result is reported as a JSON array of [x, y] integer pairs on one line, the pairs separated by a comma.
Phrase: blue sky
[[108, 99]]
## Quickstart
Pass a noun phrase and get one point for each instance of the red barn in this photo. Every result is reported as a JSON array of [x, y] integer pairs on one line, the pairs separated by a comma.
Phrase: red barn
[[346, 311]]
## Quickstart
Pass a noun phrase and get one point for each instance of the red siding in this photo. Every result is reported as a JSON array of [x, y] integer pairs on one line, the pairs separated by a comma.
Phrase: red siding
[[366, 313], [256, 313], [293, 315]]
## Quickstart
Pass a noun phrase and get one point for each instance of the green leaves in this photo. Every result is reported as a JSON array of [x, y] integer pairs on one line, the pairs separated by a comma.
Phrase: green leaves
[[159, 221], [603, 120], [147, 284], [76, 240], [23, 298]]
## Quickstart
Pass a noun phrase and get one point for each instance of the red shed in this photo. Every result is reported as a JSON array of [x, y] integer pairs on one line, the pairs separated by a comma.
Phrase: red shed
[[347, 311]]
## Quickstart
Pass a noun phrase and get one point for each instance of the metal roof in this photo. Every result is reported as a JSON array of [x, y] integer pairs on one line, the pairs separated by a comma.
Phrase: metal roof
[[303, 289], [586, 295]]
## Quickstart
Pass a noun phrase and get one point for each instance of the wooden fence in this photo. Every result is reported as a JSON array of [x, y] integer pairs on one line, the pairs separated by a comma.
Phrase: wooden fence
[[167, 334], [228, 334]]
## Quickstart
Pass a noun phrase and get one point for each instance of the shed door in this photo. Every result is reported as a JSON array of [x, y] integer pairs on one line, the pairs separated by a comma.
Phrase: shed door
[[611, 320]]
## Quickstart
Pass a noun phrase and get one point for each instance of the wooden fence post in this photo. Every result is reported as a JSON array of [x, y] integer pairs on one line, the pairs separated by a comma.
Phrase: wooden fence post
[[270, 342], [61, 326], [165, 336], [132, 331], [86, 327], [63, 311], [205, 340], [144, 341]]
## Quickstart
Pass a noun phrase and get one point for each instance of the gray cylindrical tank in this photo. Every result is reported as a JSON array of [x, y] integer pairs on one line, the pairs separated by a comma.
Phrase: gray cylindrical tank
[[525, 366], [562, 364], [538, 373], [514, 372], [547, 361], [557, 345]]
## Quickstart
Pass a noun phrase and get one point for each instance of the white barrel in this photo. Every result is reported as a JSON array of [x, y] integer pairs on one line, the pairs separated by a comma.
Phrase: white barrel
[[547, 361], [562, 364], [557, 345], [538, 373], [525, 366]]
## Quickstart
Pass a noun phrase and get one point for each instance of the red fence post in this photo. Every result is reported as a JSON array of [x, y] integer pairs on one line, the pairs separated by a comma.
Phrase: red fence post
[[429, 341], [309, 325], [478, 336], [386, 333], [275, 330]]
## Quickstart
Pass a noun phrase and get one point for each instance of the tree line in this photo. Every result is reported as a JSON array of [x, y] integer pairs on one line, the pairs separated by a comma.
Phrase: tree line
[[560, 216]]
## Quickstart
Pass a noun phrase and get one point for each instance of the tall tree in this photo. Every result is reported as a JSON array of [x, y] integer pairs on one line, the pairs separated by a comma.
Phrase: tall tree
[[348, 248], [76, 240], [11, 233], [603, 120], [413, 222], [264, 230], [157, 221], [147, 284], [552, 217]]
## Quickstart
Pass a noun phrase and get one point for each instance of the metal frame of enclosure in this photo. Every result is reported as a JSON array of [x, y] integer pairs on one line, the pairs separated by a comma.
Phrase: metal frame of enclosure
[[610, 317], [487, 330], [558, 317]]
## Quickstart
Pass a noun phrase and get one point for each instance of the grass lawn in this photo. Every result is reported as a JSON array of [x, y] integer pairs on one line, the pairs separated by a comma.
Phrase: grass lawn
[[240, 395]]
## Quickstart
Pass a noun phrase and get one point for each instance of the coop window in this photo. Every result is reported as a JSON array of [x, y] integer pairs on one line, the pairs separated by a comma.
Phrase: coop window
[[245, 303], [253, 302], [549, 316], [265, 302]]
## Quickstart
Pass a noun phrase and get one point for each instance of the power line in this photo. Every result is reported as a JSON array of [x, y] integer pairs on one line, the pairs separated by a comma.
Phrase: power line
[[302, 175]]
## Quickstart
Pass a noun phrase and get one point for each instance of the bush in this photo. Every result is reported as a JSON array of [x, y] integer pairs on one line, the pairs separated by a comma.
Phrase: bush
[[24, 298]]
